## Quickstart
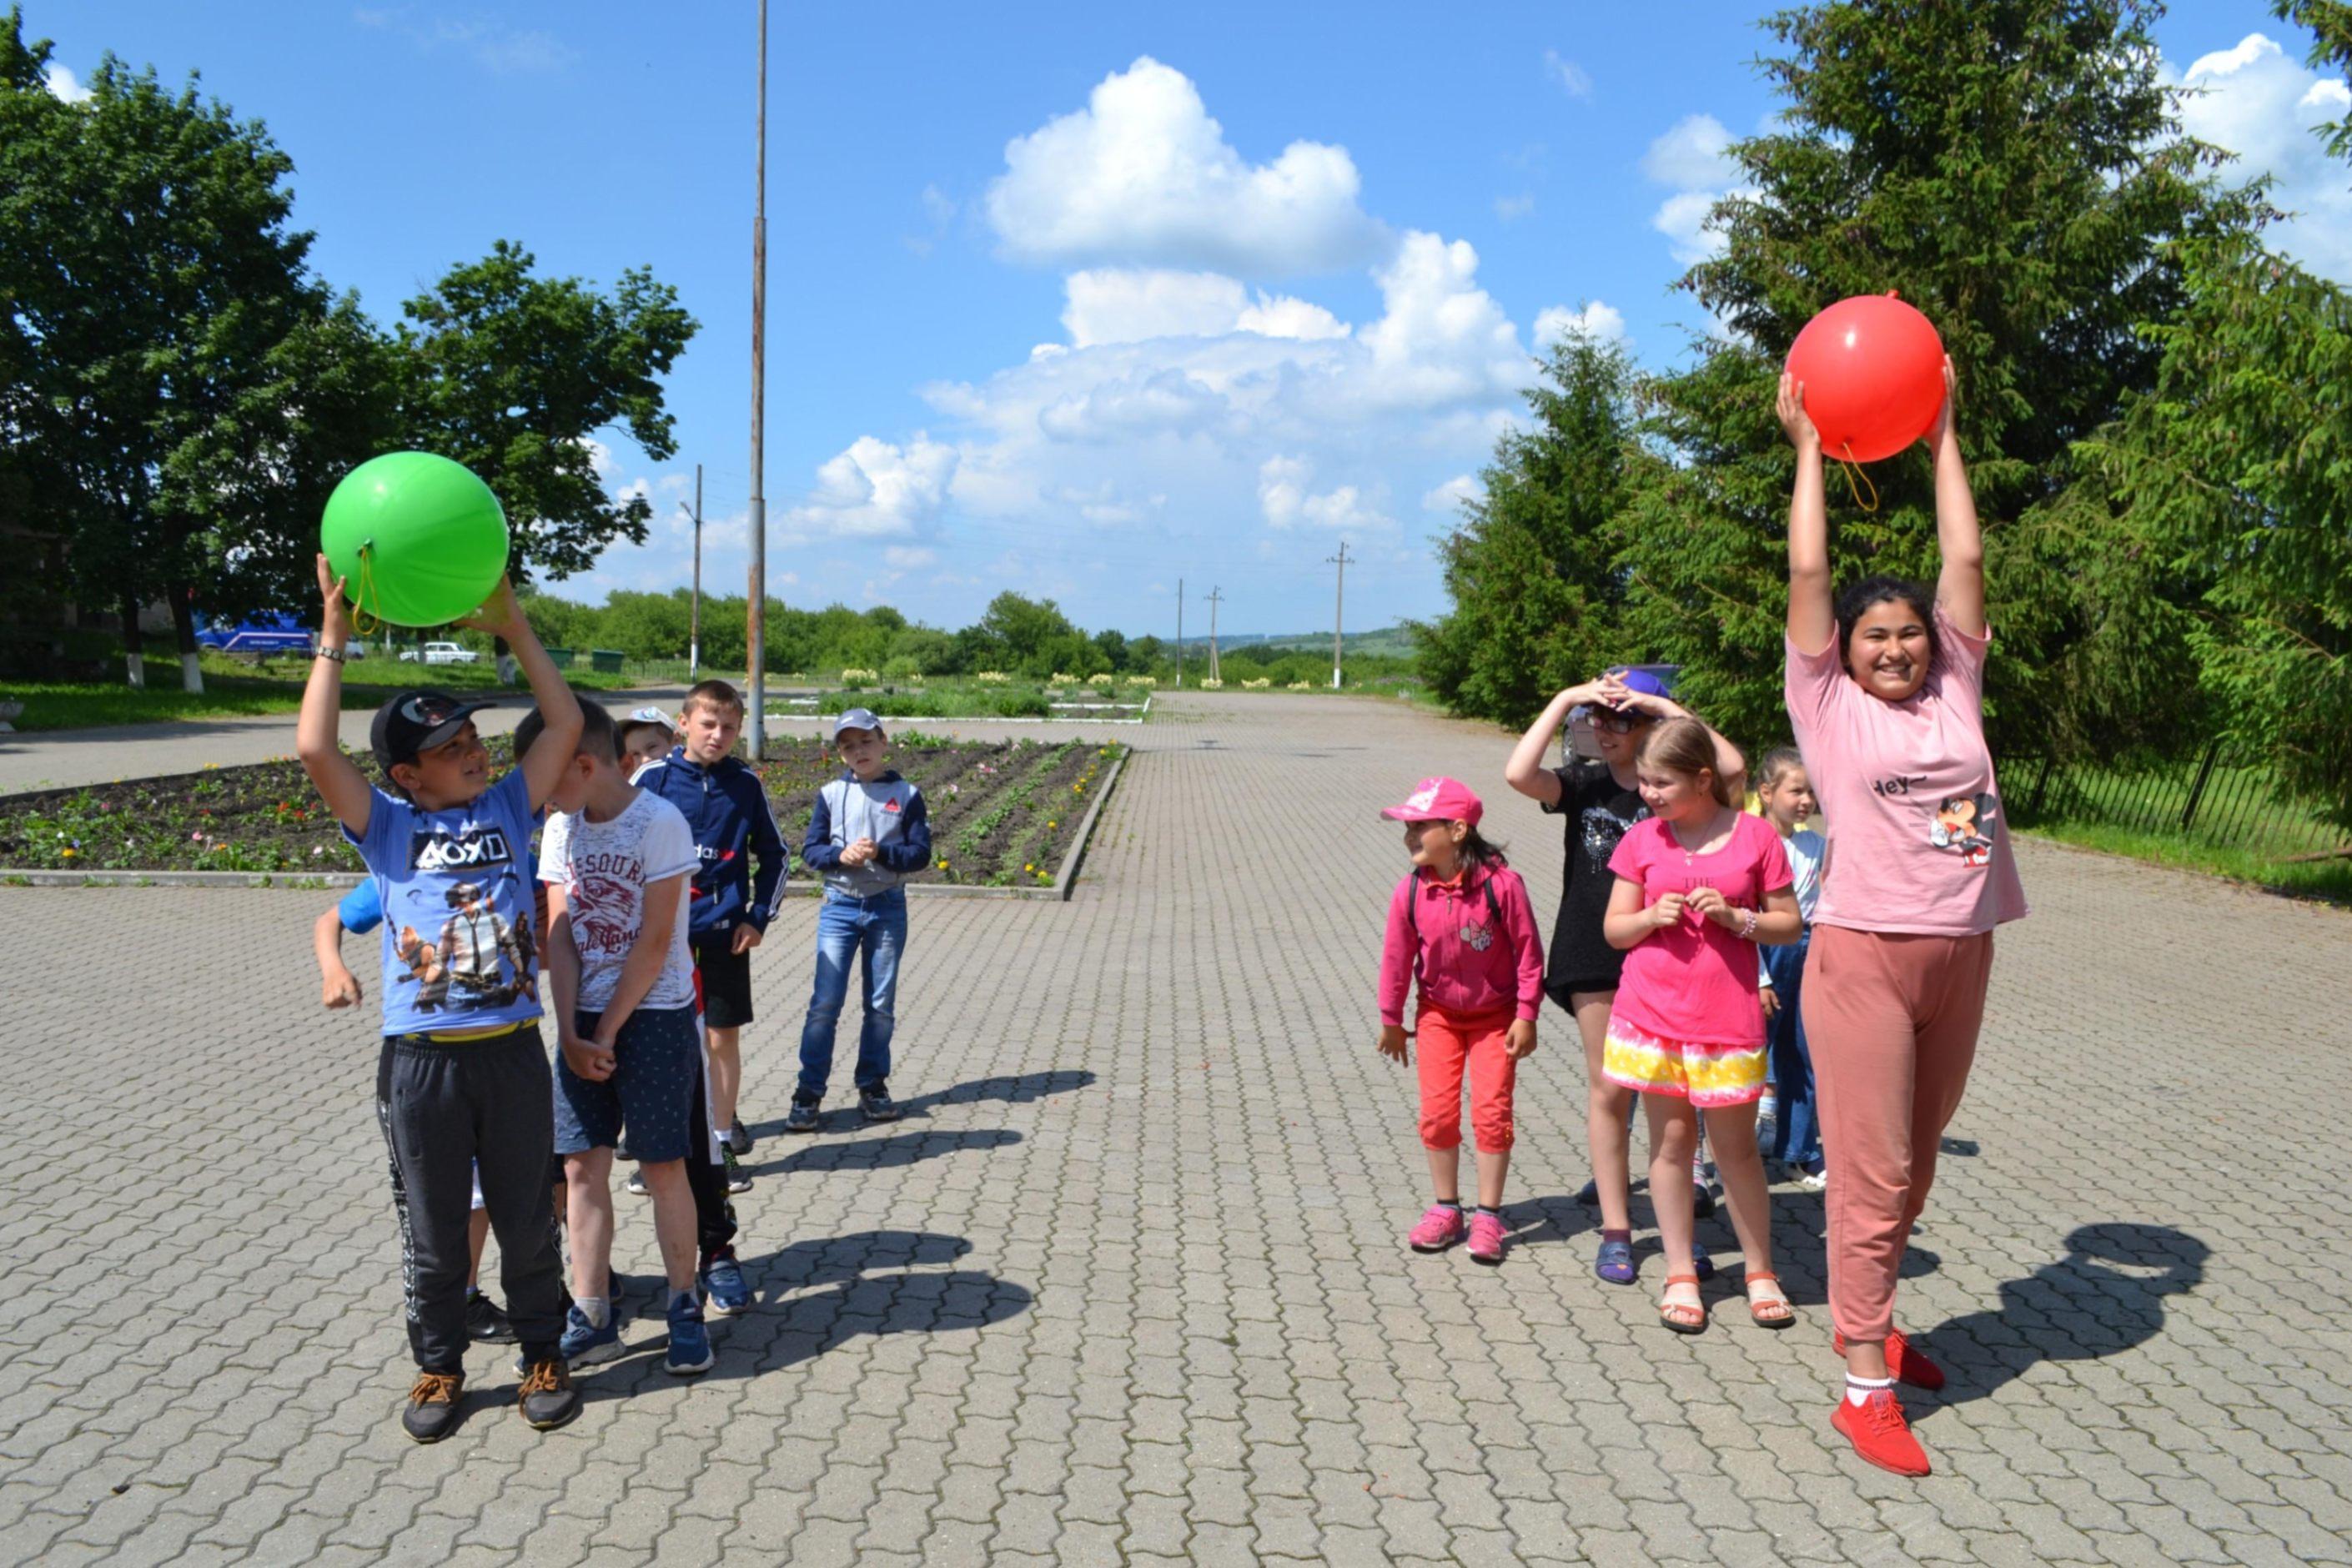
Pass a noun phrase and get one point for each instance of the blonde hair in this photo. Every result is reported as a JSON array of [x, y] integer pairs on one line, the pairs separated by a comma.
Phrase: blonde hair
[[1685, 746], [1778, 763]]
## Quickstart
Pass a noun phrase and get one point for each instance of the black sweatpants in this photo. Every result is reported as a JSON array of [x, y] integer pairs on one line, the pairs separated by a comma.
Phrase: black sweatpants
[[448, 1109], [714, 1213]]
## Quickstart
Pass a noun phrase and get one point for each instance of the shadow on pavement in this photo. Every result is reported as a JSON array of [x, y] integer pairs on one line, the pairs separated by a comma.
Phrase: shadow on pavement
[[885, 1154], [1011, 1089], [2106, 1296]]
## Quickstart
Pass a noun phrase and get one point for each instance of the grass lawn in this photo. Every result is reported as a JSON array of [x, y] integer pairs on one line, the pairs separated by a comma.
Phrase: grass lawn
[[2330, 880], [236, 687]]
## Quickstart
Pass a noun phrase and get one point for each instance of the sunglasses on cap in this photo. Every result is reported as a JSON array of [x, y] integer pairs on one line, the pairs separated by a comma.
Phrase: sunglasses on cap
[[1618, 723]]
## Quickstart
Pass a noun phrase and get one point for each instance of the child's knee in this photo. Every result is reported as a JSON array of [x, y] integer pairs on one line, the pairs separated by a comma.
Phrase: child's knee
[[1440, 1130]]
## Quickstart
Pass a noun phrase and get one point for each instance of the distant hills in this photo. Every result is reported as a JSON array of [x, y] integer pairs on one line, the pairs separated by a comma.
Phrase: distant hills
[[1394, 641]]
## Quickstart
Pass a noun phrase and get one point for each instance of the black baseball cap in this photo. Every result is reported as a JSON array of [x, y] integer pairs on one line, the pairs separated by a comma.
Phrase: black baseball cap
[[417, 721]]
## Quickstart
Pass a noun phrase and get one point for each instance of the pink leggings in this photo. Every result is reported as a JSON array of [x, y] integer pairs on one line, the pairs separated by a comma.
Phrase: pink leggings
[[1455, 1045], [1893, 1024]]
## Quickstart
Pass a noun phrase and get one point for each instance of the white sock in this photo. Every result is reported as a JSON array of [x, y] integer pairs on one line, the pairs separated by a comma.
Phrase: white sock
[[1858, 1390], [597, 1310]]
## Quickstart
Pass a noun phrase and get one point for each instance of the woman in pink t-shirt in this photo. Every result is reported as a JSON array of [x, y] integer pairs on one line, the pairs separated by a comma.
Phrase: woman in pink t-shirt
[[1886, 691], [1697, 885]]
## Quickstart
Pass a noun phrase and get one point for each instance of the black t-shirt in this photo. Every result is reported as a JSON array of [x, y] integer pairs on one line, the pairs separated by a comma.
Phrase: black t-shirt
[[1599, 810]]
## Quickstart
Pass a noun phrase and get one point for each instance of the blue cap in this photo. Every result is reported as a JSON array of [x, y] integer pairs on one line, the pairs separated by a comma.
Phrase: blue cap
[[1641, 681], [857, 719]]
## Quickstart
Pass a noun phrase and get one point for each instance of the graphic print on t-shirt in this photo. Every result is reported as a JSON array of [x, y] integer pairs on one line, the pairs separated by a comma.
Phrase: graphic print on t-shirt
[[1602, 828], [467, 955], [1965, 825]]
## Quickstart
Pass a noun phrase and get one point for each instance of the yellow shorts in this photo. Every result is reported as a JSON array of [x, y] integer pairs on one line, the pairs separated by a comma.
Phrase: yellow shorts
[[1710, 1076]]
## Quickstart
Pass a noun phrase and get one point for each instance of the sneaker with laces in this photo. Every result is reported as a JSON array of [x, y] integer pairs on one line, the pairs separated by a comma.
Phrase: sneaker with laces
[[1879, 1432], [875, 1105], [585, 1344], [739, 1137], [802, 1117], [1905, 1361], [486, 1322], [1486, 1238], [689, 1340], [1811, 1180], [636, 1186], [546, 1397], [1439, 1228], [431, 1413], [723, 1287], [739, 1180]]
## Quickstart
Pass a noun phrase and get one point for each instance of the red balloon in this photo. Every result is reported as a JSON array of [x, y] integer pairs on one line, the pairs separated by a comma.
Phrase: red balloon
[[1873, 369]]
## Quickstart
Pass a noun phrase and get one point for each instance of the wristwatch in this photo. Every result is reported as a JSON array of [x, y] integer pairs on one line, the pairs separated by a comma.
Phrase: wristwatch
[[334, 653]]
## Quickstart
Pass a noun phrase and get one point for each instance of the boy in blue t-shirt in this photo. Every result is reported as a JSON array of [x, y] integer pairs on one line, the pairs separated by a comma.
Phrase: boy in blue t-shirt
[[462, 1084]]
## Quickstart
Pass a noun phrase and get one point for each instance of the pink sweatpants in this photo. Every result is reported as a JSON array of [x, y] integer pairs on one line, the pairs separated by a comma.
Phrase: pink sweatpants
[[1458, 1045], [1893, 1022]]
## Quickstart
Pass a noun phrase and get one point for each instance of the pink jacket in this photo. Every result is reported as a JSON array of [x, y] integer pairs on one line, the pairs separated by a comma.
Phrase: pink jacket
[[1445, 934]]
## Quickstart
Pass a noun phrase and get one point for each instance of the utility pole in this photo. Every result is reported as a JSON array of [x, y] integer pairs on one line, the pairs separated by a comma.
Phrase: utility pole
[[1217, 597], [755, 639], [1339, 609], [1180, 631], [694, 623]]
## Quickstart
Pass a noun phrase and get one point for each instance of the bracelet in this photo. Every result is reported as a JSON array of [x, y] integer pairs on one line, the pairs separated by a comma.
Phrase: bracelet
[[1748, 925], [325, 652]]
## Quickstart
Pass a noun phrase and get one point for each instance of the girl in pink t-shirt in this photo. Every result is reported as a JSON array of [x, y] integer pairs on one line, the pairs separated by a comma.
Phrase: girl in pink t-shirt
[[1698, 885], [1885, 691]]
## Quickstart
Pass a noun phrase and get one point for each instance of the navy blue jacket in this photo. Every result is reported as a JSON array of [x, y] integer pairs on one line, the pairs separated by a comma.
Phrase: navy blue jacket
[[727, 809], [890, 812]]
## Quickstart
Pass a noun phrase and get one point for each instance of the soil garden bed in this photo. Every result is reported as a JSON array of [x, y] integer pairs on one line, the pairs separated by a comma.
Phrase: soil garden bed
[[1002, 814]]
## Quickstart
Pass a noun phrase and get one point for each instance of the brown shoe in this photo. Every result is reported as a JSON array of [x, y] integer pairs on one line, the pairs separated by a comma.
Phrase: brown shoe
[[547, 1397], [431, 1413]]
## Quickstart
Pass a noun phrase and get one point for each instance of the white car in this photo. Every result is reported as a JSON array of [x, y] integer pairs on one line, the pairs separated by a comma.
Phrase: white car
[[441, 653]]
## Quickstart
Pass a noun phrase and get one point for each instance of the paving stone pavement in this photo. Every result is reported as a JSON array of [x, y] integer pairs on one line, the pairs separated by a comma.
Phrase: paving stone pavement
[[1126, 1285]]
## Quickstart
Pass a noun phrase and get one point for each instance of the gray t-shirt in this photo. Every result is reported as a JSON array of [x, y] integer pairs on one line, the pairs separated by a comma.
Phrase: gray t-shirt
[[605, 868]]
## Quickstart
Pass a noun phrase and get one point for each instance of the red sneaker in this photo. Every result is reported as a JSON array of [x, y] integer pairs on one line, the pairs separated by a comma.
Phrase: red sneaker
[[1906, 1363], [1879, 1432]]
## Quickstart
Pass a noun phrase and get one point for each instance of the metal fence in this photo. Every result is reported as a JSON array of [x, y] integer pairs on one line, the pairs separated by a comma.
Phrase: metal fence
[[2209, 799]]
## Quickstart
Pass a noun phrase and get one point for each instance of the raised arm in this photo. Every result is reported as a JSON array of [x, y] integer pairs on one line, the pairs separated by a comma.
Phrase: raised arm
[[333, 774], [1731, 761], [559, 710], [1959, 587], [1812, 617], [1525, 772]]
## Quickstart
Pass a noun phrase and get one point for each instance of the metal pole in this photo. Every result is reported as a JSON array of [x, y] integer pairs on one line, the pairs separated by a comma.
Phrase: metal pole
[[755, 637], [694, 622], [1180, 632], [1217, 597], [1339, 609]]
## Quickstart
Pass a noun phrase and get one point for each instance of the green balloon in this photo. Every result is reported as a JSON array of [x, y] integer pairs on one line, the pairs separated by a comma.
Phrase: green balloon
[[417, 539]]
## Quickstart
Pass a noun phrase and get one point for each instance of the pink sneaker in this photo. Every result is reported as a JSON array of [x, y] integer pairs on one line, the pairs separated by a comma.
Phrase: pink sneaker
[[1486, 1238], [1440, 1228]]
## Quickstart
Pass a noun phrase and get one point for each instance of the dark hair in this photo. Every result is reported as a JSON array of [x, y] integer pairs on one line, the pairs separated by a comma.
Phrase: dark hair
[[1480, 854], [1859, 599], [718, 693], [1685, 746], [1777, 761], [597, 738]]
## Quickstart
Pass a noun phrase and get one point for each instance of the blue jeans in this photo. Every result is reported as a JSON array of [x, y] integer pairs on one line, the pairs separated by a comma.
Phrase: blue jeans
[[846, 927], [1796, 1130]]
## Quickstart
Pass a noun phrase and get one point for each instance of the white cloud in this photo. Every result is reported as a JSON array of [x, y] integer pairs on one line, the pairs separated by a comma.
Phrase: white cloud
[[907, 557], [2262, 105], [1286, 497], [64, 84], [1603, 322], [1450, 497], [1125, 305], [1510, 209], [1692, 156], [873, 488], [1143, 175], [1443, 338], [1568, 73], [503, 49]]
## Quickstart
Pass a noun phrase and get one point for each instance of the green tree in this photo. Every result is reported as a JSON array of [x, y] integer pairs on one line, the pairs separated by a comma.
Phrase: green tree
[[2013, 168], [511, 373], [1530, 568]]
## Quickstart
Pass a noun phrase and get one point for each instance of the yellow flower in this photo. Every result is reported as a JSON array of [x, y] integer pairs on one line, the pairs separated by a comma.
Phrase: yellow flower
[[1032, 867]]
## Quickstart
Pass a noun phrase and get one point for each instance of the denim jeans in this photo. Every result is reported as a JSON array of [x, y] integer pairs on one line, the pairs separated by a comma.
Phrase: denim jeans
[[1796, 1130], [847, 928]]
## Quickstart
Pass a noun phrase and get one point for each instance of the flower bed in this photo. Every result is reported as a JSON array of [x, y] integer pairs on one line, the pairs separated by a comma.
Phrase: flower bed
[[1002, 813]]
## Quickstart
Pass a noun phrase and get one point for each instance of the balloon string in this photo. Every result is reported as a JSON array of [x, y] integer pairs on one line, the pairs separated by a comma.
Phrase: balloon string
[[1853, 472], [364, 621]]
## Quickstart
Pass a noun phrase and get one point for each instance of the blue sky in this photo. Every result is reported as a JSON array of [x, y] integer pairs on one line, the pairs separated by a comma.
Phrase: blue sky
[[1074, 300]]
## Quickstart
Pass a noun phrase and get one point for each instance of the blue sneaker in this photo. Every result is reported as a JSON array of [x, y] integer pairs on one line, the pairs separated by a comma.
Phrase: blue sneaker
[[689, 1342], [723, 1287], [583, 1343]]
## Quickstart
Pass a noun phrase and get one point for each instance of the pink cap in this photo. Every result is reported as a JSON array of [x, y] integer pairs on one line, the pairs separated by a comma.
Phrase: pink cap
[[1439, 799]]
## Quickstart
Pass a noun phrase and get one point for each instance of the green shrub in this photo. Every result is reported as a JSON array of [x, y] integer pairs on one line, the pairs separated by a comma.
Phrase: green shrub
[[1023, 705]]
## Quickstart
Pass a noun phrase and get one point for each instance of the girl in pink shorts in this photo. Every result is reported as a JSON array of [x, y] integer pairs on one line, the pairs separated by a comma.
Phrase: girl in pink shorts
[[1460, 924], [1697, 886]]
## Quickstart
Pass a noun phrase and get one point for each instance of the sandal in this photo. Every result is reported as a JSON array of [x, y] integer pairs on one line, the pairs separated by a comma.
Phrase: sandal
[[1773, 1311], [1683, 1317], [1615, 1263]]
